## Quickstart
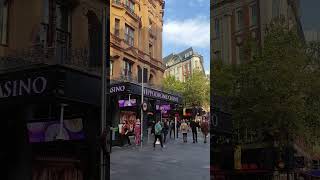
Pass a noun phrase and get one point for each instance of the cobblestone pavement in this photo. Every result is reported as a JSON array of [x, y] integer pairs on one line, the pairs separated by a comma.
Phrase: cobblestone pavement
[[177, 161]]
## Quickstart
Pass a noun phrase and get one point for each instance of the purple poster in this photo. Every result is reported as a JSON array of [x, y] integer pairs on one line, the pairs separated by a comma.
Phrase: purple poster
[[72, 129]]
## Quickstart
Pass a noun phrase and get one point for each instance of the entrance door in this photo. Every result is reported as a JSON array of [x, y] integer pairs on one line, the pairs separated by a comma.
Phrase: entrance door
[[53, 170]]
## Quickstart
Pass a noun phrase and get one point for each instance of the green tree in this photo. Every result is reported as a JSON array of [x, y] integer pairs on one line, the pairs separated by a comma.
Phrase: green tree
[[194, 91]]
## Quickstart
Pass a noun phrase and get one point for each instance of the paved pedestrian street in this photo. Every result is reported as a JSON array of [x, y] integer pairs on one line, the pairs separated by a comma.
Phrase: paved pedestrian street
[[177, 161]]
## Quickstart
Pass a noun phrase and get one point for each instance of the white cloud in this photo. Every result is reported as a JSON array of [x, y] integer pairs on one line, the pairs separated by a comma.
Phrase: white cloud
[[190, 32]]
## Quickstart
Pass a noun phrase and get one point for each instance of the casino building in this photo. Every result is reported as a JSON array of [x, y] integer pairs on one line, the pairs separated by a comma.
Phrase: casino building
[[50, 88], [136, 57]]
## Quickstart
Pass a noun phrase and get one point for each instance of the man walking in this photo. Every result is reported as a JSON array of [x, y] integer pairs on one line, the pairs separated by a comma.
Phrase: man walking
[[172, 128], [165, 130], [157, 134], [194, 125]]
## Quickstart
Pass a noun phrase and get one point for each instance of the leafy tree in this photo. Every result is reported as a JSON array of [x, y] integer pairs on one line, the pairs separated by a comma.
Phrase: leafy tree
[[276, 95], [194, 91]]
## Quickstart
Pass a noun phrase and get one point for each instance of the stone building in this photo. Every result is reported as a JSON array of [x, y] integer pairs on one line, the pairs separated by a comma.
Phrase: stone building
[[136, 40], [182, 65], [50, 65]]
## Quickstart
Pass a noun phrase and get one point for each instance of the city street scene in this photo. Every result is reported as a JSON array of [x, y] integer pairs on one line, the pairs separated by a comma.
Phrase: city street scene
[[159, 89], [265, 90]]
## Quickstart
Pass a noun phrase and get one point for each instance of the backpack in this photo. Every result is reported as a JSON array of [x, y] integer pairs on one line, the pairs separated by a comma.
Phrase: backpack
[[157, 129]]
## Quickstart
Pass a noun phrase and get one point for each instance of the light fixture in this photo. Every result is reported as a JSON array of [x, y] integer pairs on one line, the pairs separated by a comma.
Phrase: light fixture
[[129, 103]]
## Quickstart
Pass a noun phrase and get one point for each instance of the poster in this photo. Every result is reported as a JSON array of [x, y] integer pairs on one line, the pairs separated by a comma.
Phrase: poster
[[128, 116]]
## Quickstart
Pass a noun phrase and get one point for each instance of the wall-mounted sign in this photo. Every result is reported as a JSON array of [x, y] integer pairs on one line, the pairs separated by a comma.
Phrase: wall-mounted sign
[[160, 95], [144, 106], [23, 87], [116, 89]]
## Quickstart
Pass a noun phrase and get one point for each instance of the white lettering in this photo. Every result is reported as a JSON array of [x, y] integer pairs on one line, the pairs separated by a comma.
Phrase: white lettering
[[43, 83], [27, 87]]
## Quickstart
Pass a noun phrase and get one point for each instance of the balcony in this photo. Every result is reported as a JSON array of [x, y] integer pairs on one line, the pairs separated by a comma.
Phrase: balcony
[[78, 59], [131, 12]]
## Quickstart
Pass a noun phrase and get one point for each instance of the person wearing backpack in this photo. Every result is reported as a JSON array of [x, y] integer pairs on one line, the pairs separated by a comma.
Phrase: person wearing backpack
[[157, 134]]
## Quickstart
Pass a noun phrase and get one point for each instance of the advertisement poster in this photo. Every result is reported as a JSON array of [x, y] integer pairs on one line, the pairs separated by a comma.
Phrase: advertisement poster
[[128, 116], [49, 131]]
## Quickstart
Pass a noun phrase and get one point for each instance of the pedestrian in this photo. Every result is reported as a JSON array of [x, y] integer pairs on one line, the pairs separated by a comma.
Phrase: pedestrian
[[137, 132], [172, 128], [125, 133], [165, 130], [194, 125], [152, 129], [157, 134], [178, 128], [205, 129], [184, 130]]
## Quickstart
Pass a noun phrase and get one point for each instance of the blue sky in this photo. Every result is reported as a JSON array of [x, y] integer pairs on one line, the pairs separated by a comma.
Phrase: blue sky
[[187, 24]]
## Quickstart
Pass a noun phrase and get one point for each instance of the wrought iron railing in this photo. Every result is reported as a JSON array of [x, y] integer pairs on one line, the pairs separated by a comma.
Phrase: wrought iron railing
[[28, 58]]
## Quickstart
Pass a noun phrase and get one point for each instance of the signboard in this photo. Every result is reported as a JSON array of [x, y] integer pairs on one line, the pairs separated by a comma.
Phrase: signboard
[[144, 106], [136, 89], [23, 87], [127, 103]]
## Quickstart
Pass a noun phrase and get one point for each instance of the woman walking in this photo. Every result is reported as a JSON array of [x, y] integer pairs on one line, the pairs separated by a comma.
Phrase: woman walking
[[205, 129], [137, 132], [184, 130]]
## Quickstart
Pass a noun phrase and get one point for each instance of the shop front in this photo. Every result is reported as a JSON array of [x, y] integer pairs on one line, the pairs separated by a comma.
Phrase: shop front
[[53, 122], [127, 106]]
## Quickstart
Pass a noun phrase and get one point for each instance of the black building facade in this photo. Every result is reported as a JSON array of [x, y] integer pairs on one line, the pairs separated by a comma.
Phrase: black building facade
[[33, 103], [157, 101]]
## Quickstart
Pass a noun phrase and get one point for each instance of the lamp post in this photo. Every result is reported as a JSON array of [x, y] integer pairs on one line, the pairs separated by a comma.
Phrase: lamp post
[[142, 101], [103, 123]]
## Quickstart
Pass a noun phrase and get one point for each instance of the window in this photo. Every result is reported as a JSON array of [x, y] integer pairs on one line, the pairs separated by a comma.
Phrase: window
[[240, 19], [240, 54], [150, 50], [130, 5], [217, 55], [145, 75], [139, 74], [129, 35], [117, 27], [127, 68], [217, 27], [111, 68], [253, 10], [275, 8], [214, 120], [62, 18], [3, 21]]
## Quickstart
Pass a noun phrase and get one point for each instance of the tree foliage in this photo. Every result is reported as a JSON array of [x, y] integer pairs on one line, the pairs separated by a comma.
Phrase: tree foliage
[[276, 95], [194, 91]]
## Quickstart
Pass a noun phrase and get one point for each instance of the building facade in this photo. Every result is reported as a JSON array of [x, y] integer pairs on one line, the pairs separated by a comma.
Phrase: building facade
[[235, 21], [136, 40], [135, 55], [182, 65], [50, 64]]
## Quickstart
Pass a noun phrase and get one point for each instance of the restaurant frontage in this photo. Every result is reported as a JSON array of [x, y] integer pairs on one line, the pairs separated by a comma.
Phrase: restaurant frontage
[[52, 121], [126, 106]]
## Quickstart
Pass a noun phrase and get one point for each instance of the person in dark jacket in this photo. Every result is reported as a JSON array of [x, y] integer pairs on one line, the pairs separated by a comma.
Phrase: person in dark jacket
[[194, 125], [172, 128], [165, 130]]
